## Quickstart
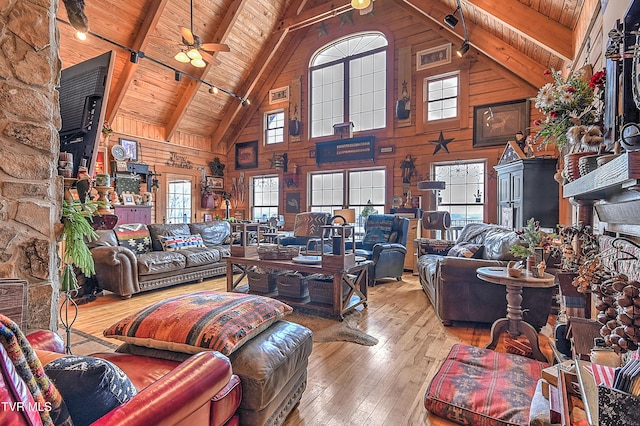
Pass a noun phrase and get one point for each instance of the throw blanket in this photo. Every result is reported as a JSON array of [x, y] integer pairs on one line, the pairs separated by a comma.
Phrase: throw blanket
[[30, 370]]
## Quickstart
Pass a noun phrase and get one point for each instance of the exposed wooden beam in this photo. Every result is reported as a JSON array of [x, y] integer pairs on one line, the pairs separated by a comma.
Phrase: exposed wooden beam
[[502, 53], [312, 16], [552, 35], [193, 86], [151, 17]]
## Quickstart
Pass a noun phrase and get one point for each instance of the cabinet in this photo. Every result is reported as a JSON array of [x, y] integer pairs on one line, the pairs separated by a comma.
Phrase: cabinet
[[411, 259], [133, 214], [526, 189]]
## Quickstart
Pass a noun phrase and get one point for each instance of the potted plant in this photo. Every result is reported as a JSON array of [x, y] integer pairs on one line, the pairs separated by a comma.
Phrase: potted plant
[[533, 243], [76, 231]]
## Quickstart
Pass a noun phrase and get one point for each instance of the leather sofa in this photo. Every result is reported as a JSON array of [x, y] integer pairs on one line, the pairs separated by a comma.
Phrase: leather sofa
[[457, 294], [130, 258], [200, 391]]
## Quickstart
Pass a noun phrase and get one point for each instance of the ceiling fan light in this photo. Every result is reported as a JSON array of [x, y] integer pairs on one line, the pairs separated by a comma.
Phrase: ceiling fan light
[[194, 54], [360, 4], [181, 57], [198, 63]]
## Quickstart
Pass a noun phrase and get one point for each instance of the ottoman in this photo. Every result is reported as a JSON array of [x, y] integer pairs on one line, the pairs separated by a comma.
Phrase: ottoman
[[268, 354]]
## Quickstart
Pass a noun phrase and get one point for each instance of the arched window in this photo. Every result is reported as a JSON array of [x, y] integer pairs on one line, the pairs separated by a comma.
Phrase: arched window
[[348, 80]]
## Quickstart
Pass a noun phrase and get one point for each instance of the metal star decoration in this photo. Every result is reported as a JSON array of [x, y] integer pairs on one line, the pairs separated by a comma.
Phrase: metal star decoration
[[441, 143]]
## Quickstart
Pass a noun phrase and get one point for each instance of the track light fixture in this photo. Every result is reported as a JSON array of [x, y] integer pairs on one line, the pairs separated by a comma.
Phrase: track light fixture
[[464, 48], [178, 76], [360, 4], [450, 19]]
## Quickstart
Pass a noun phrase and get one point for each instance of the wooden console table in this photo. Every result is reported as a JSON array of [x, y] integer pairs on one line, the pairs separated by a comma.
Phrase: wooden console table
[[356, 296]]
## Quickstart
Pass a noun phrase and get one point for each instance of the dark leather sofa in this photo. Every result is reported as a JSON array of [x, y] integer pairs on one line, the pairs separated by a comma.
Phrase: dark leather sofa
[[125, 270], [457, 294]]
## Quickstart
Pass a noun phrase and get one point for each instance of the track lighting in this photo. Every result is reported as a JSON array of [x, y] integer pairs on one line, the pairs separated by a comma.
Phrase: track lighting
[[82, 36], [134, 57], [451, 20], [464, 48], [213, 90], [360, 4], [178, 76]]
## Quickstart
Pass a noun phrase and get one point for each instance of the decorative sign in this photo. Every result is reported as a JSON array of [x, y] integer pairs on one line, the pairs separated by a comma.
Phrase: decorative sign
[[361, 148], [281, 94]]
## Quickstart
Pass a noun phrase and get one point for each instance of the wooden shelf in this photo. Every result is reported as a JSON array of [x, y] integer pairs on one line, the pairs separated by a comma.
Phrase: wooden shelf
[[607, 180]]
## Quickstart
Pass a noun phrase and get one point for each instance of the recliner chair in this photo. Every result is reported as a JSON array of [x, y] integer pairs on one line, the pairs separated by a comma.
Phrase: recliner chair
[[385, 243]]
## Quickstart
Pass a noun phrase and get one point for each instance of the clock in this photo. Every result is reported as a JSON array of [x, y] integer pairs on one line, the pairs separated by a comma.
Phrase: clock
[[396, 201], [119, 153]]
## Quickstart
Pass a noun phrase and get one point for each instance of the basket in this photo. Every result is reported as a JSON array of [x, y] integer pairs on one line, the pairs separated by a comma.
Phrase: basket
[[277, 252], [321, 288], [262, 282], [291, 285], [587, 164], [572, 165]]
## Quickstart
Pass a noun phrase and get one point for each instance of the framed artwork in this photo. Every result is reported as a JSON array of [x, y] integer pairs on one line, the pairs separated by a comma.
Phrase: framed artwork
[[102, 162], [281, 94], [208, 217], [131, 148], [292, 201], [217, 183], [496, 124], [247, 155], [433, 57], [128, 200]]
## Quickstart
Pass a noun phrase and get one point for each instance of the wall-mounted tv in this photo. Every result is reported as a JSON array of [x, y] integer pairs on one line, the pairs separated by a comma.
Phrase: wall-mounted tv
[[83, 93]]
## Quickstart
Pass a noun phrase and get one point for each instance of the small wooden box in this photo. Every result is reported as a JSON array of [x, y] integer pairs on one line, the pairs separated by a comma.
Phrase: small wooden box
[[343, 130], [339, 261], [244, 251]]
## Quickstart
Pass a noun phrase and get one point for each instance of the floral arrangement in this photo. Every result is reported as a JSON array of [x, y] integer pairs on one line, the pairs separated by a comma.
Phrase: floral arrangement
[[530, 238], [568, 103]]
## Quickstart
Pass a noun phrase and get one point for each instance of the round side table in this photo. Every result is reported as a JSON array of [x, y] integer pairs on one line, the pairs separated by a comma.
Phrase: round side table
[[513, 323]]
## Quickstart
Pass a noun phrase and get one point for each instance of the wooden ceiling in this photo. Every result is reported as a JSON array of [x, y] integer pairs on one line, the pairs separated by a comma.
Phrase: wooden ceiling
[[523, 36]]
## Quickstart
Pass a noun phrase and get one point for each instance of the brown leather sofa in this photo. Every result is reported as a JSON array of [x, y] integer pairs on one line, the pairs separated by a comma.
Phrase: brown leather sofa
[[199, 391], [123, 268], [456, 292]]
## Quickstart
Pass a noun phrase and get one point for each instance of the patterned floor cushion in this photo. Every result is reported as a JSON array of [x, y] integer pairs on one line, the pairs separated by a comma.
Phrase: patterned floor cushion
[[476, 386]]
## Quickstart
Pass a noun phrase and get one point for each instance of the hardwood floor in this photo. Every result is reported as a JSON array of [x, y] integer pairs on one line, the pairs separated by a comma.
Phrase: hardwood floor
[[350, 384]]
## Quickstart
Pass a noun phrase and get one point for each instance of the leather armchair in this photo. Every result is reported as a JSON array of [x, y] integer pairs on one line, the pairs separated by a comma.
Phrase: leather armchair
[[384, 243], [201, 390]]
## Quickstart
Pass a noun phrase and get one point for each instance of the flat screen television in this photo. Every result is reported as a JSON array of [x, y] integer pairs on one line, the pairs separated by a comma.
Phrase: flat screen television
[[83, 93]]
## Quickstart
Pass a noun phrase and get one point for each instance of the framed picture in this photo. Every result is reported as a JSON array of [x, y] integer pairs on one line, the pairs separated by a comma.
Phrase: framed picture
[[128, 200], [208, 217], [496, 124], [131, 148], [292, 200], [217, 183], [247, 155], [433, 57], [281, 94], [102, 162]]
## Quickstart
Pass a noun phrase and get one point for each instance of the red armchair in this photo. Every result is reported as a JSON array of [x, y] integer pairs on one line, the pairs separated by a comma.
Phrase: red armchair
[[199, 391]]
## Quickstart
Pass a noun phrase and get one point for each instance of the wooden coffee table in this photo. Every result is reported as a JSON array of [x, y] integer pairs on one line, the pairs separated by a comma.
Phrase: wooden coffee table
[[356, 296], [513, 323]]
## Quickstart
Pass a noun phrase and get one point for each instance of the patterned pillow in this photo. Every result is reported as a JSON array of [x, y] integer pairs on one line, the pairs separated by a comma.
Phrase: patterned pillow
[[476, 386], [91, 387], [379, 228], [435, 246], [468, 250], [204, 320], [134, 236], [180, 242]]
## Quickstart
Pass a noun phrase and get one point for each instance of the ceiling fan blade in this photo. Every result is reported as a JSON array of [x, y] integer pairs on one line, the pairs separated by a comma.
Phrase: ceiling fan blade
[[210, 59], [187, 35], [215, 47]]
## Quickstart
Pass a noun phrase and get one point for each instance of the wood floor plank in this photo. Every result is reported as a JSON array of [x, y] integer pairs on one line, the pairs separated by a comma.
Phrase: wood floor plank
[[348, 384]]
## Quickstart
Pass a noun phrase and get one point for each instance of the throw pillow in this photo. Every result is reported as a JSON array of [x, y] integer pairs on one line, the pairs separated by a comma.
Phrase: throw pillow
[[134, 236], [468, 250], [91, 387], [180, 242], [378, 230], [435, 246], [204, 320]]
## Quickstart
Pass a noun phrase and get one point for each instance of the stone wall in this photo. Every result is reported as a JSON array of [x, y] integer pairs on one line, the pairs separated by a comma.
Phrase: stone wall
[[30, 190]]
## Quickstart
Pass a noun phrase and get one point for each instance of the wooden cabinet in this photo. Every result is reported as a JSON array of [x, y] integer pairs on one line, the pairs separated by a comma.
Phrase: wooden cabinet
[[526, 189], [133, 214], [411, 259]]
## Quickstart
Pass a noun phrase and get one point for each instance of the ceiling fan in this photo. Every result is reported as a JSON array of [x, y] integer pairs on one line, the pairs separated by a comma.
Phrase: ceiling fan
[[194, 50]]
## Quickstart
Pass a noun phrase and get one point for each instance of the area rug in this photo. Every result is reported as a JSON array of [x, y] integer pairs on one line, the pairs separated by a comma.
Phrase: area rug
[[327, 329], [85, 344]]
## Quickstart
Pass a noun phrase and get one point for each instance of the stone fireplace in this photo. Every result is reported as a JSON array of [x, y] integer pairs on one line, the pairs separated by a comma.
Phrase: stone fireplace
[[30, 189]]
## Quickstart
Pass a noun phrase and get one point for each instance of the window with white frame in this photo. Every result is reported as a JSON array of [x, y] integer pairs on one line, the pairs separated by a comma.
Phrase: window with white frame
[[463, 196], [264, 196], [355, 189], [348, 80], [179, 200], [441, 96], [274, 127]]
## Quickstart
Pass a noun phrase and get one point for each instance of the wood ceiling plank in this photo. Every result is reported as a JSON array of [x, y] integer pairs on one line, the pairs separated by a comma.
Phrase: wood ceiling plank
[[547, 32], [119, 91]]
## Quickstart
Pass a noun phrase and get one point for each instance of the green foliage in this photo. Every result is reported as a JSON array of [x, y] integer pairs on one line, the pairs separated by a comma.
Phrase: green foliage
[[77, 231], [368, 210], [531, 237]]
